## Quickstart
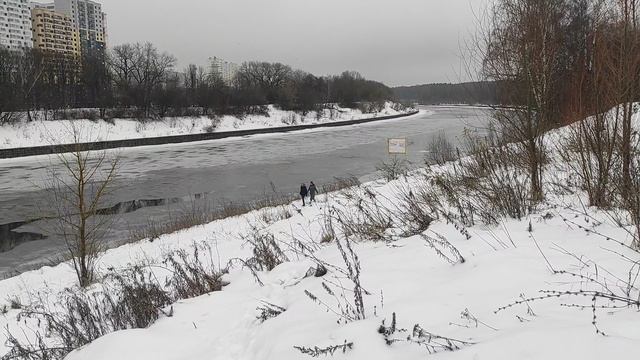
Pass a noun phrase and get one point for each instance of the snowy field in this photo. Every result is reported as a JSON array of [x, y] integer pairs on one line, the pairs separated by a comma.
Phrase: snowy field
[[457, 291], [38, 133]]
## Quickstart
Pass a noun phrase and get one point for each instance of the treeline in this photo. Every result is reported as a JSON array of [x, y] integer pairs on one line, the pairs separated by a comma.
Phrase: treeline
[[482, 92], [560, 61], [139, 81]]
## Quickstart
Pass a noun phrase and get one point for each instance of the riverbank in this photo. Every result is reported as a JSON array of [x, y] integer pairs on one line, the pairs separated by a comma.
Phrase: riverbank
[[467, 289], [50, 137]]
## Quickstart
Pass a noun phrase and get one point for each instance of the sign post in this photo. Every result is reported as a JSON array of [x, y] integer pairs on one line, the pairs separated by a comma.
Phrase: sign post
[[397, 146]]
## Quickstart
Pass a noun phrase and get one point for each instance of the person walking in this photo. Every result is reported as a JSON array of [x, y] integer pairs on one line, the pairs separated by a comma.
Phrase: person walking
[[312, 193], [303, 193]]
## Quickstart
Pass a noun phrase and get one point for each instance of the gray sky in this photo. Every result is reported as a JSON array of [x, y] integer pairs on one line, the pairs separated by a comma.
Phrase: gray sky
[[398, 42]]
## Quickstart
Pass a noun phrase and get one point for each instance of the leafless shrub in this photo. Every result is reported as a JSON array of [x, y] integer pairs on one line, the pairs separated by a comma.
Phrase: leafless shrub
[[340, 183], [491, 182], [590, 151], [328, 229], [131, 300], [191, 276], [453, 200], [431, 342], [629, 193], [402, 106], [394, 168], [15, 303], [348, 308], [215, 123], [353, 271], [367, 107], [267, 253], [290, 119], [76, 193], [472, 321], [592, 286], [418, 207], [189, 216], [269, 311], [440, 150], [273, 215], [137, 305], [368, 220], [38, 349], [326, 351], [444, 248]]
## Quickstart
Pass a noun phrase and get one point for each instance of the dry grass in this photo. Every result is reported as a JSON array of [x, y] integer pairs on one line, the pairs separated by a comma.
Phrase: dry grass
[[274, 210]]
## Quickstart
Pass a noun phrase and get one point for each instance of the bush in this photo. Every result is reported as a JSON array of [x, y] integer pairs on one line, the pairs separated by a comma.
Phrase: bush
[[440, 150], [417, 208], [393, 168], [129, 301], [370, 222], [191, 277], [215, 123], [132, 299], [267, 253]]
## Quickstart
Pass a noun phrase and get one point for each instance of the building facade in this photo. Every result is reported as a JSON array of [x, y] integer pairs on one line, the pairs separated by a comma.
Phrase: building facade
[[15, 24], [89, 21], [224, 70], [48, 6], [54, 31]]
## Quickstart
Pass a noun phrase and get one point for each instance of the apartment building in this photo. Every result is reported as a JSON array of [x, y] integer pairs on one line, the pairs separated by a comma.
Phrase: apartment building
[[224, 70], [15, 24], [48, 6], [89, 21], [54, 31]]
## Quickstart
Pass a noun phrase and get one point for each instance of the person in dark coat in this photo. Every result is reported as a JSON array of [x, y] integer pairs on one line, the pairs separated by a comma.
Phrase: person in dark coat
[[312, 192], [303, 193]]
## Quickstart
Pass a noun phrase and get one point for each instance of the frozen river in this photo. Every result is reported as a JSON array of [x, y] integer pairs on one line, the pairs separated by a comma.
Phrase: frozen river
[[237, 170]]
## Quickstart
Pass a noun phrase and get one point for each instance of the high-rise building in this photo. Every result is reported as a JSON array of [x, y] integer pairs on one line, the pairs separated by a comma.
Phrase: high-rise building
[[48, 6], [89, 20], [54, 31], [15, 24], [224, 70]]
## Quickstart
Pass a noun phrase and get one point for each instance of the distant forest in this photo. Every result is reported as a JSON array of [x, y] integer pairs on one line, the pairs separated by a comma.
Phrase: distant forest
[[465, 93]]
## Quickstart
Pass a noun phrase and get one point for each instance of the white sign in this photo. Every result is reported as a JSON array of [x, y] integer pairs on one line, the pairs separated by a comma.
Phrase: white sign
[[397, 146]]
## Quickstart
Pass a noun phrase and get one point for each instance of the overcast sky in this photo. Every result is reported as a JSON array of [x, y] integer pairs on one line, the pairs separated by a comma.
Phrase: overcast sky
[[398, 42]]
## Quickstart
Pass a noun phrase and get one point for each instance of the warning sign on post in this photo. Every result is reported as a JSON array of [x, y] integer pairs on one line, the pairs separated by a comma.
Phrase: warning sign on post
[[398, 146]]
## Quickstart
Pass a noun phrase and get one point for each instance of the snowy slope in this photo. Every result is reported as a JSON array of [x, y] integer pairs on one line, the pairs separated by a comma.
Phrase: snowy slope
[[503, 264], [37, 133]]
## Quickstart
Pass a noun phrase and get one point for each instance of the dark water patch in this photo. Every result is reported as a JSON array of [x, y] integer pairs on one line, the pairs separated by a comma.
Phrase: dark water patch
[[10, 239], [126, 207]]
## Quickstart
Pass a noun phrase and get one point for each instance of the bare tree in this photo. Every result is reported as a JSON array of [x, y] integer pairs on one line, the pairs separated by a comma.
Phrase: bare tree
[[78, 187], [9, 98], [440, 150], [268, 77], [521, 48], [591, 146], [626, 72], [138, 70]]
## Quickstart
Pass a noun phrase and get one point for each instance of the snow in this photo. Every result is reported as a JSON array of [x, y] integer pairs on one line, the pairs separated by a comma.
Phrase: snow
[[40, 132], [405, 277]]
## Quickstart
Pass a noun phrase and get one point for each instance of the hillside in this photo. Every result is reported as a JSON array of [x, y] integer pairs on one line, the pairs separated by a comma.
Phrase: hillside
[[391, 269]]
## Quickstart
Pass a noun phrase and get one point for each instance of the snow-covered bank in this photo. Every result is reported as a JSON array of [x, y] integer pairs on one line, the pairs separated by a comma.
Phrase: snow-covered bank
[[561, 246], [405, 277], [54, 132]]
